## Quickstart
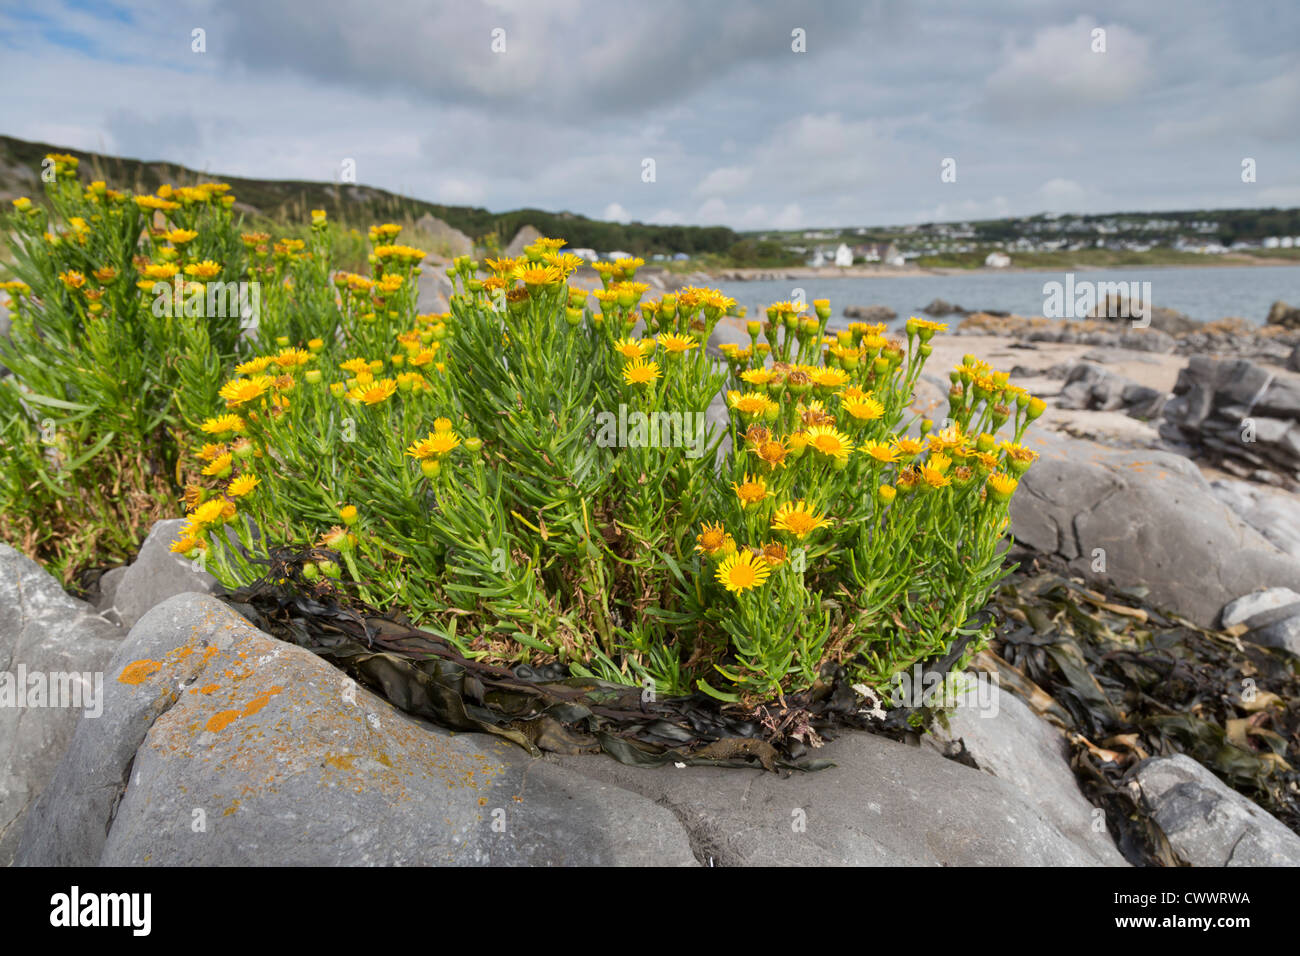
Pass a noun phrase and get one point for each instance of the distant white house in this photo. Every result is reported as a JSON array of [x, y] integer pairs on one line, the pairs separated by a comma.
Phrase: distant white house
[[1288, 242], [997, 260], [1272, 242], [843, 256], [618, 255], [895, 260], [589, 254]]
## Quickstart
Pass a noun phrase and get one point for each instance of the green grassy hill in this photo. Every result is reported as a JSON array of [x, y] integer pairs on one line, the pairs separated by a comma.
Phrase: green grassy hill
[[290, 202]]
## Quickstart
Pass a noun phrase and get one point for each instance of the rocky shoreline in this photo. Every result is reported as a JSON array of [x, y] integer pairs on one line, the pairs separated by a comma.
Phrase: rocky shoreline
[[1141, 486]]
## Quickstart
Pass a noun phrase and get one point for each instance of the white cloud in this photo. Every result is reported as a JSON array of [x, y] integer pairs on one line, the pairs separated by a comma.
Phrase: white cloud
[[725, 181], [1059, 71], [616, 213], [1062, 195]]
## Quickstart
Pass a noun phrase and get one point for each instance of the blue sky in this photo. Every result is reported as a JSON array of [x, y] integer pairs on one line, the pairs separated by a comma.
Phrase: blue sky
[[743, 130]]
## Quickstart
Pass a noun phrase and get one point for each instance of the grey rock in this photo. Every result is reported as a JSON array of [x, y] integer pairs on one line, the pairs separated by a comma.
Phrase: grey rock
[[883, 804], [1282, 633], [939, 307], [156, 574], [286, 762], [108, 584], [1293, 360], [1287, 316], [526, 236], [1272, 512], [1249, 606], [1235, 410], [448, 241], [1147, 340], [1153, 518], [870, 313], [1019, 747], [45, 632], [1206, 822]]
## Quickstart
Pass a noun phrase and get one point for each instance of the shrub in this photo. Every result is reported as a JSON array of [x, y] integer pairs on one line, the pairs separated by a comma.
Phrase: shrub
[[536, 475]]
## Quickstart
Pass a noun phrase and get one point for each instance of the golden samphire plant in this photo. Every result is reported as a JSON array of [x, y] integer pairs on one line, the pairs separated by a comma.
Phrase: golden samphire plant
[[535, 475]]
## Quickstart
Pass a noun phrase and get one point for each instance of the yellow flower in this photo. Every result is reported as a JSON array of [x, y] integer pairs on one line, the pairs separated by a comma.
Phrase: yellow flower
[[773, 452], [242, 485], [72, 279], [185, 544], [254, 365], [442, 424], [677, 344], [798, 519], [864, 409], [160, 270], [711, 539], [758, 376], [372, 393], [933, 478], [240, 391], [223, 425], [1019, 458], [742, 571], [292, 358], [153, 202], [1002, 486], [219, 465], [641, 372], [774, 554], [830, 377], [633, 349], [880, 451], [828, 441], [751, 403], [178, 237], [751, 491], [907, 448], [437, 444], [533, 276]]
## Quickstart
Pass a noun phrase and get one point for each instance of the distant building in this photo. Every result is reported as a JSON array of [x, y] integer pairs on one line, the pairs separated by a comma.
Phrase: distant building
[[875, 251], [618, 255], [997, 260], [843, 255], [589, 254], [680, 257]]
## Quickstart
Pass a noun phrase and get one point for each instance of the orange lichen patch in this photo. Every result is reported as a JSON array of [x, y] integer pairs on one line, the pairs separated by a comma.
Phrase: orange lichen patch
[[237, 675], [137, 671], [209, 688], [257, 703], [210, 652], [342, 761], [230, 809], [384, 759], [221, 720]]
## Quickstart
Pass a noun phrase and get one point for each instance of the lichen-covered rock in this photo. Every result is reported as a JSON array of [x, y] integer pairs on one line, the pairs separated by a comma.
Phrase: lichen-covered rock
[[58, 646], [220, 745]]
